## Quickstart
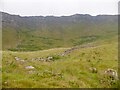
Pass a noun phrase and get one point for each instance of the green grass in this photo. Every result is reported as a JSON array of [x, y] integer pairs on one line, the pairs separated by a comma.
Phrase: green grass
[[51, 36], [30, 39], [70, 71]]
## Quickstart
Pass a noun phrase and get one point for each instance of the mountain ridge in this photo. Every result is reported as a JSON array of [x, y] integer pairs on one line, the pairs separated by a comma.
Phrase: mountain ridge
[[76, 14], [38, 32]]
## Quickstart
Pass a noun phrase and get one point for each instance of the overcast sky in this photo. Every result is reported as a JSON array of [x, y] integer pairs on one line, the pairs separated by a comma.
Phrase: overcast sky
[[59, 7]]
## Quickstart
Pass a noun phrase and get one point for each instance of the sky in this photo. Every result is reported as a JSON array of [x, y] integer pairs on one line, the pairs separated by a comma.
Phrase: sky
[[59, 7]]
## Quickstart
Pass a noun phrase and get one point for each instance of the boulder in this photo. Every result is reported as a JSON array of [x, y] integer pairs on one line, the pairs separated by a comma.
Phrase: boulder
[[111, 73]]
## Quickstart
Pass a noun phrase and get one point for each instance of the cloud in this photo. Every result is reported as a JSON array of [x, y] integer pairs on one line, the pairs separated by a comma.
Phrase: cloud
[[59, 7]]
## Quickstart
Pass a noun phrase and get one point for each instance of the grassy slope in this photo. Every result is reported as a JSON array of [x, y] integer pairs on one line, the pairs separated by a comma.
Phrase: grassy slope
[[69, 71], [50, 37]]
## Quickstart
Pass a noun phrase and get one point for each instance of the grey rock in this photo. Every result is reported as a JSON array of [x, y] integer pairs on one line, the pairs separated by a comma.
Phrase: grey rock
[[17, 58], [49, 58], [29, 67], [93, 70], [111, 73]]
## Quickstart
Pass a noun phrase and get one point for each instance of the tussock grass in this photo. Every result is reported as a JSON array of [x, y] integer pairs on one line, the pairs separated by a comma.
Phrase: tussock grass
[[70, 71]]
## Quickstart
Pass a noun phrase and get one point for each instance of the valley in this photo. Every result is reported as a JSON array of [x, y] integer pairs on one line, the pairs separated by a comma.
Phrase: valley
[[77, 51]]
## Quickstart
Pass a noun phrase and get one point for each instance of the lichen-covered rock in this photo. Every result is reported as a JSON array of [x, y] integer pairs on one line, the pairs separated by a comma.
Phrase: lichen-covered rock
[[111, 73]]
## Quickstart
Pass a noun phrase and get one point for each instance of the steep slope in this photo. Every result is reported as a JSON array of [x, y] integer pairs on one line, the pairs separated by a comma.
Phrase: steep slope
[[38, 32]]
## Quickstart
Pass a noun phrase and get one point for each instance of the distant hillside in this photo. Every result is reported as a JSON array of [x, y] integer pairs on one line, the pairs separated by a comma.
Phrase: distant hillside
[[38, 32]]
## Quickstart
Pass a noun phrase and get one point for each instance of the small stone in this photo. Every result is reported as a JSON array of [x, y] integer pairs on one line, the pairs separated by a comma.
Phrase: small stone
[[22, 60], [93, 70], [16, 58], [50, 58], [5, 82], [30, 67]]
